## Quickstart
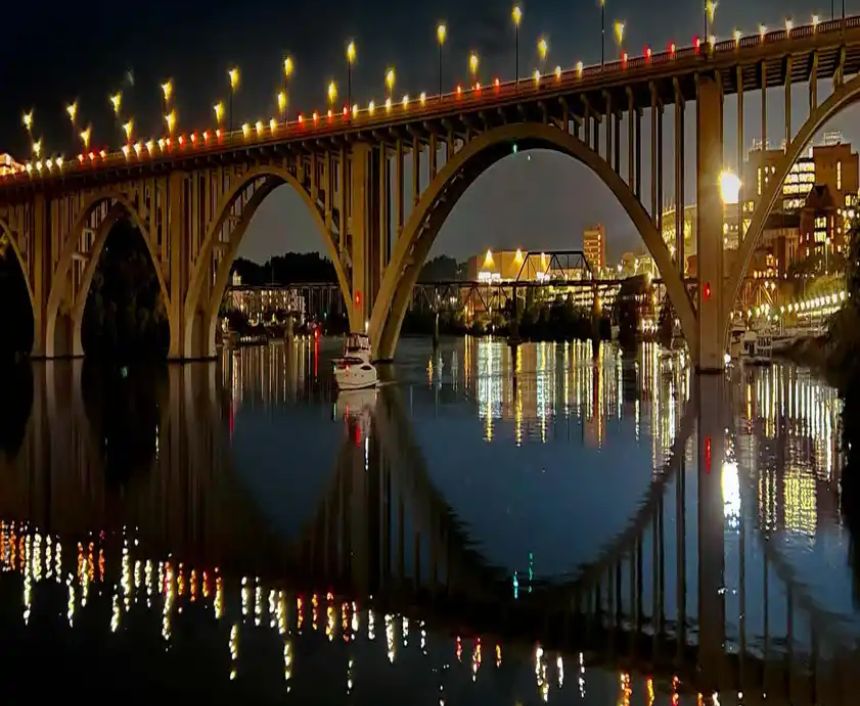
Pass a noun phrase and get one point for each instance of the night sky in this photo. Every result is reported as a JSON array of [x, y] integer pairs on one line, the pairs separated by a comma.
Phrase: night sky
[[52, 52]]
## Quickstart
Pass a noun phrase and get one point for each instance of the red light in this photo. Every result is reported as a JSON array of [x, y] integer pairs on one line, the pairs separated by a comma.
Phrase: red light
[[624, 57], [81, 158], [648, 53], [194, 137], [497, 83], [316, 117], [697, 44], [358, 299], [301, 119], [181, 140], [672, 48], [459, 91], [707, 454], [345, 111], [219, 133], [707, 291]]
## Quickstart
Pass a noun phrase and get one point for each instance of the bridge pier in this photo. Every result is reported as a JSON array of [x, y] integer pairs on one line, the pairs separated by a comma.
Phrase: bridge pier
[[709, 165]]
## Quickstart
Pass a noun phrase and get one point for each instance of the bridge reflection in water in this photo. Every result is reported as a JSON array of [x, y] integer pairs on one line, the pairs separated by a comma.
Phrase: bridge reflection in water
[[128, 497]]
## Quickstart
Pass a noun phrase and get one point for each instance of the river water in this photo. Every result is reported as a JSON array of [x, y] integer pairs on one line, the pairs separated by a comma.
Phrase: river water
[[558, 523]]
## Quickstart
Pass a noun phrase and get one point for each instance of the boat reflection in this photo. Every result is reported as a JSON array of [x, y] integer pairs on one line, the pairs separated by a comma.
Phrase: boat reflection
[[713, 590]]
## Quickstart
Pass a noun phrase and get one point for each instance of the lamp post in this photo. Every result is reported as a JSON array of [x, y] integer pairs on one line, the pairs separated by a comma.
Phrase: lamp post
[[474, 64], [390, 80], [619, 35], [128, 129], [710, 14], [72, 112], [233, 76], [170, 120], [543, 51], [27, 121], [167, 94], [441, 36], [85, 136], [219, 113], [282, 105], [37, 148], [517, 17], [602, 33], [350, 60], [332, 94], [116, 105]]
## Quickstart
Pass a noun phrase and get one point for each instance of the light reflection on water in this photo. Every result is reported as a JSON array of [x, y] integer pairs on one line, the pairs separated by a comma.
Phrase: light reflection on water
[[555, 523]]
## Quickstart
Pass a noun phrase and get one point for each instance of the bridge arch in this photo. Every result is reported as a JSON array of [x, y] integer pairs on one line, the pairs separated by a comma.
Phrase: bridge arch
[[844, 96], [69, 289], [438, 200], [211, 271], [7, 240]]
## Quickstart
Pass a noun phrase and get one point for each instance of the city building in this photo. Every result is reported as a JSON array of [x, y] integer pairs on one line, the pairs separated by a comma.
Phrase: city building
[[821, 229], [594, 246]]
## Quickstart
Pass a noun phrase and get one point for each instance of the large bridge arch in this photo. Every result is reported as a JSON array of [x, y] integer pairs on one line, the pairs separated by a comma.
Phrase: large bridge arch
[[844, 96], [438, 200], [211, 270], [69, 290]]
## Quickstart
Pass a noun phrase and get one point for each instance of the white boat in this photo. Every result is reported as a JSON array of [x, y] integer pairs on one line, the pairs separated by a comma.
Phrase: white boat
[[757, 348], [354, 371]]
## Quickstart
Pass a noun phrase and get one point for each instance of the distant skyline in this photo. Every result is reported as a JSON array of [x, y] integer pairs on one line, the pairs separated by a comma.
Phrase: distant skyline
[[53, 52]]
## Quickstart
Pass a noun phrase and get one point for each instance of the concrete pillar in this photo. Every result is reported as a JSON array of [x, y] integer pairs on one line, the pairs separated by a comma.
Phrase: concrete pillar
[[362, 227], [709, 157], [41, 260], [177, 274]]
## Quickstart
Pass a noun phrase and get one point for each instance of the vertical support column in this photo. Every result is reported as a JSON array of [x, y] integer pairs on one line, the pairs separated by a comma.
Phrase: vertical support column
[[433, 148], [361, 236], [586, 120], [788, 133], [813, 83], [709, 119], [740, 133], [654, 216], [608, 96], [764, 105], [679, 180], [178, 273], [41, 259], [638, 152], [416, 170], [631, 165], [398, 184], [384, 206], [343, 180], [660, 167], [711, 554]]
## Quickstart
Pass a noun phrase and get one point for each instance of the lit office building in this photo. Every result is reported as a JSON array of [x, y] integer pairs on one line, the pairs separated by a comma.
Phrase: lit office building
[[594, 246]]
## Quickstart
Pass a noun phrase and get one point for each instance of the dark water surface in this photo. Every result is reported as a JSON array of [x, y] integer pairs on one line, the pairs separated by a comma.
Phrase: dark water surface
[[557, 524]]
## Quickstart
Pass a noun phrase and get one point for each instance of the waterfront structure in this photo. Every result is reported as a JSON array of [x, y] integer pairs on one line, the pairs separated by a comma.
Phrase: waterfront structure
[[192, 195], [594, 246]]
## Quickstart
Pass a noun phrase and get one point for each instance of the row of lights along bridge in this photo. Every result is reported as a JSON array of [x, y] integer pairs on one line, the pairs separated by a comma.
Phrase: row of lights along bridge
[[351, 111]]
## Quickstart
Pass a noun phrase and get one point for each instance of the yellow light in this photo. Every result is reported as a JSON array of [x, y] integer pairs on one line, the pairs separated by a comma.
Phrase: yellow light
[[371, 108], [474, 63], [72, 111], [37, 147], [543, 48], [170, 119], [219, 112], [150, 146], [273, 125], [332, 92], [789, 25], [289, 67], [138, 147], [619, 32], [815, 21], [405, 101], [85, 137], [441, 33], [390, 79], [128, 129], [423, 98], [116, 102], [258, 126], [762, 30], [489, 263], [738, 36], [126, 150], [355, 110], [579, 69], [233, 75], [282, 101], [730, 187], [246, 130], [388, 105], [558, 73], [537, 76], [59, 162], [27, 119], [167, 90], [350, 52], [711, 9], [517, 15], [518, 257]]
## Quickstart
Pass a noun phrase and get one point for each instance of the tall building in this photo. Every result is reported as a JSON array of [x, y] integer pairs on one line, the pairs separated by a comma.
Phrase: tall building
[[594, 246]]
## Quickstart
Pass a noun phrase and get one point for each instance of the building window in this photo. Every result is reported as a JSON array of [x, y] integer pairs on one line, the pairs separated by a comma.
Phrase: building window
[[839, 176], [759, 181]]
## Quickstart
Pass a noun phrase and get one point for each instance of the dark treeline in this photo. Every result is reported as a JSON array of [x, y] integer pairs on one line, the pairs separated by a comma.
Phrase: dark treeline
[[290, 268], [442, 269], [16, 321], [125, 318]]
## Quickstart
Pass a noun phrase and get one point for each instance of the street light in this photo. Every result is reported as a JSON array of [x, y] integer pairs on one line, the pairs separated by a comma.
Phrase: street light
[[710, 14], [350, 60], [543, 50], [332, 93], [390, 80], [517, 17], [167, 93], [85, 136], [170, 119], [730, 187], [116, 102], [27, 120], [619, 34], [282, 105], [219, 112], [474, 64], [37, 148], [233, 76], [441, 36], [72, 112], [128, 129]]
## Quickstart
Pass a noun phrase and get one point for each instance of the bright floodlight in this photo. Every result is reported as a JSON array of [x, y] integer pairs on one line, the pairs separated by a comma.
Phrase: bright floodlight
[[730, 187]]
